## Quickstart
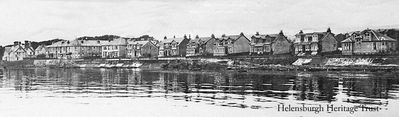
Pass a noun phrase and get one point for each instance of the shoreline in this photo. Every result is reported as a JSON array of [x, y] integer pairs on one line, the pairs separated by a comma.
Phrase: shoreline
[[239, 64], [219, 67]]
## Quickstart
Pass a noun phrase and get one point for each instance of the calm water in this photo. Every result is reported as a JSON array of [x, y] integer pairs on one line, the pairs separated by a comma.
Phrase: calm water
[[216, 90]]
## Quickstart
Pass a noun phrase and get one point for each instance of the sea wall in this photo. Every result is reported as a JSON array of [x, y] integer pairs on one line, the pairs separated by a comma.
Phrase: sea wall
[[54, 62], [263, 63]]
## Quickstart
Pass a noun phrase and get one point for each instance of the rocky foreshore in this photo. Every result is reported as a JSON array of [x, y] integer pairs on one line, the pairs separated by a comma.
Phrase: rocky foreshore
[[240, 64]]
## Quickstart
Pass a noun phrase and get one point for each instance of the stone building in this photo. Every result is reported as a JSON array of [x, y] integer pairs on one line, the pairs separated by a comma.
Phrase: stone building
[[262, 43], [74, 49], [315, 43], [41, 51], [173, 47], [209, 45], [368, 42], [197, 46], [281, 45], [231, 44], [115, 48], [18, 51], [141, 49]]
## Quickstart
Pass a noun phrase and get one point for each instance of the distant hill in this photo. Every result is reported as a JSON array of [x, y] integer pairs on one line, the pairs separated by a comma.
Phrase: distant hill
[[48, 42], [104, 37], [111, 37]]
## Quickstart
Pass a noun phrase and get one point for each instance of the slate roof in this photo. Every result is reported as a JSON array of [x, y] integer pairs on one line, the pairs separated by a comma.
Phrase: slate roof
[[378, 36], [197, 40], [278, 36], [14, 48], [381, 37], [348, 40], [64, 43], [40, 47], [118, 41], [268, 37], [138, 42], [91, 42], [169, 40], [234, 37]]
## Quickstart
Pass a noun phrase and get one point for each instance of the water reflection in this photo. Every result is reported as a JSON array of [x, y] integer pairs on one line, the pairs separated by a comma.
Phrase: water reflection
[[243, 90]]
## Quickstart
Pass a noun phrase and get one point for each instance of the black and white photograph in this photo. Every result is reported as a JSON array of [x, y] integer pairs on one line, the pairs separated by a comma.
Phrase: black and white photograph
[[199, 58]]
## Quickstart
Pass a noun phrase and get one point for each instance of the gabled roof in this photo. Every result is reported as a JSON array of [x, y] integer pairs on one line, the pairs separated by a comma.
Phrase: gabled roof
[[64, 43], [138, 42], [15, 48], [40, 47], [169, 40], [347, 40], [381, 37], [197, 40], [327, 34], [263, 36], [278, 37], [378, 36], [91, 42], [258, 36], [118, 41], [312, 33], [234, 37]]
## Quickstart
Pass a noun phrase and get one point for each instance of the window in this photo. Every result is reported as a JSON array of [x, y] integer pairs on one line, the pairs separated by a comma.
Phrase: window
[[309, 39], [375, 46], [368, 36]]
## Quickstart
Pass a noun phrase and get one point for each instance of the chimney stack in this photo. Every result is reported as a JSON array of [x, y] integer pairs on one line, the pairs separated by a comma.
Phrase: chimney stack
[[328, 30], [27, 44], [281, 32], [16, 43]]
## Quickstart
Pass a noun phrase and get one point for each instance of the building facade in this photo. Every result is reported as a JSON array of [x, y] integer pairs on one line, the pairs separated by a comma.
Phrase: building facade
[[141, 49], [209, 45], [115, 48], [173, 47], [368, 42], [18, 51], [281, 45], [75, 49], [231, 44], [41, 51], [197, 46], [312, 43], [262, 44]]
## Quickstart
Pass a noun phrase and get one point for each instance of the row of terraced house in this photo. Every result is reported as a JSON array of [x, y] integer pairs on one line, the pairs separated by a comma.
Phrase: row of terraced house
[[303, 44]]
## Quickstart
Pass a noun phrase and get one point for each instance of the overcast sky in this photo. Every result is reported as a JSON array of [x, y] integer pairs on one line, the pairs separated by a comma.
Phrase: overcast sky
[[39, 20]]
